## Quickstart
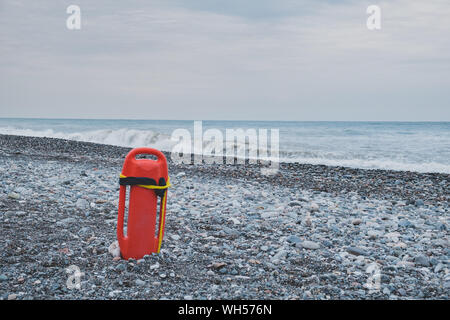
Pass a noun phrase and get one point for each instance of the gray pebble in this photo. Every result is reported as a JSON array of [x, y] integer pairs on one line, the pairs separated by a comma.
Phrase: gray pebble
[[357, 251], [421, 260]]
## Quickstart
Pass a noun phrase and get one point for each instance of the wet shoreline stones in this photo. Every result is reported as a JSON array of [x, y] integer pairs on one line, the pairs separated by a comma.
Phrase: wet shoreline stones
[[309, 232]]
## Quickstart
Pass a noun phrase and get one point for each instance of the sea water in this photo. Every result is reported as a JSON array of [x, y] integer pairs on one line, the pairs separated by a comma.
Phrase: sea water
[[412, 146]]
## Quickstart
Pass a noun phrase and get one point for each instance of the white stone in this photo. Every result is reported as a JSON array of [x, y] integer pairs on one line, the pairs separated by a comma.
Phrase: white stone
[[13, 195], [235, 221], [154, 266], [82, 203], [114, 249], [175, 237], [310, 245], [314, 207]]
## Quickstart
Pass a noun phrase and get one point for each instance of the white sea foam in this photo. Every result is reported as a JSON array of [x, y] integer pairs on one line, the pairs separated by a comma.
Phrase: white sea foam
[[376, 164]]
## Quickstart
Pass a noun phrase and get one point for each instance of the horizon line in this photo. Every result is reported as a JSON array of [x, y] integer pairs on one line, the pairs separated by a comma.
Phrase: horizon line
[[228, 120]]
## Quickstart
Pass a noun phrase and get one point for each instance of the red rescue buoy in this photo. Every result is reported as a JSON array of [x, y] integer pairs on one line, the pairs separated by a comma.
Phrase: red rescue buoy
[[148, 179]]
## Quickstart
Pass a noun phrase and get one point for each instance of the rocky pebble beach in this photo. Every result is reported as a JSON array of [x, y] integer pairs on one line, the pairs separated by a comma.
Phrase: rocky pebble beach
[[307, 232]]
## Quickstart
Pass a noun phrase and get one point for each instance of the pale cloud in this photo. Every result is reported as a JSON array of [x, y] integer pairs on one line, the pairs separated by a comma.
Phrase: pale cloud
[[287, 60]]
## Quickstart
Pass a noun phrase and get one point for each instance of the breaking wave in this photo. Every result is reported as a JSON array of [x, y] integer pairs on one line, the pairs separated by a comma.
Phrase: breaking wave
[[117, 137]]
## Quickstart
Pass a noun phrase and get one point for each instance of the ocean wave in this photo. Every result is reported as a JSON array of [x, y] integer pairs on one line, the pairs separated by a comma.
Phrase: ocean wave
[[117, 137], [138, 138]]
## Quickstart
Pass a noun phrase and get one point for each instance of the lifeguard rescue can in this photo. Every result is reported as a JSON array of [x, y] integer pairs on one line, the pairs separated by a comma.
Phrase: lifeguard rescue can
[[148, 181]]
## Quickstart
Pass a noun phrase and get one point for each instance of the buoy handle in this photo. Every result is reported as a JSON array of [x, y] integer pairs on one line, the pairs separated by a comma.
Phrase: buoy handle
[[131, 156]]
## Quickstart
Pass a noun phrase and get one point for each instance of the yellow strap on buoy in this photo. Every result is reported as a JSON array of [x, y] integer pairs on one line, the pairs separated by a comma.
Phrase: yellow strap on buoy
[[163, 214], [163, 205]]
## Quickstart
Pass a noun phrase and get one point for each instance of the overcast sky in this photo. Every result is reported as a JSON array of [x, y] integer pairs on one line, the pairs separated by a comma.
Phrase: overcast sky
[[229, 59]]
